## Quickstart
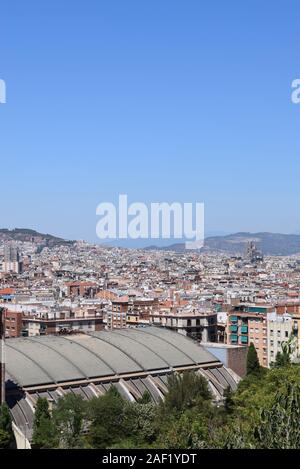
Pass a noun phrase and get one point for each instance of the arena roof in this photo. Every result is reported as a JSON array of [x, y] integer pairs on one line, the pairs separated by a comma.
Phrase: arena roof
[[132, 360], [36, 361]]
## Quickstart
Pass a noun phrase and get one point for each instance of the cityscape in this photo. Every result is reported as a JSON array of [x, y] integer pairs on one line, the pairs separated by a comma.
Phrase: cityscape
[[80, 318], [149, 230]]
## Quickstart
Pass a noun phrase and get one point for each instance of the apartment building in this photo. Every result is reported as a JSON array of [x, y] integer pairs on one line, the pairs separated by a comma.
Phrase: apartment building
[[82, 289], [116, 320], [13, 323], [246, 324], [139, 311], [130, 311], [201, 326], [32, 326], [280, 328]]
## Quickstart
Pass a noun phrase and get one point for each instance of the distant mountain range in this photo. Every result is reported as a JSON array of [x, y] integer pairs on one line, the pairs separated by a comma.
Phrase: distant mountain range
[[25, 234], [272, 244]]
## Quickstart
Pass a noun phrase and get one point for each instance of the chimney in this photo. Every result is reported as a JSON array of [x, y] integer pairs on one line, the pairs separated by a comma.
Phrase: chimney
[[2, 356]]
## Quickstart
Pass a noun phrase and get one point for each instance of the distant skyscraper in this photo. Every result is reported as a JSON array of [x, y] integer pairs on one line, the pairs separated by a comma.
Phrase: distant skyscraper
[[11, 262], [253, 254]]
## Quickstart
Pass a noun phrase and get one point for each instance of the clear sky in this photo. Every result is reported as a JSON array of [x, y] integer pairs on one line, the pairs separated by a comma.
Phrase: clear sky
[[163, 100]]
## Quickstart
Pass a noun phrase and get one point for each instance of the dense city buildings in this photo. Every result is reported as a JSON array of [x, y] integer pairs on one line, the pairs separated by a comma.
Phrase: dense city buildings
[[79, 317], [220, 298]]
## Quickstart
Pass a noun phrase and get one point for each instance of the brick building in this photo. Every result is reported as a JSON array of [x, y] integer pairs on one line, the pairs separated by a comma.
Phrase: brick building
[[13, 323]]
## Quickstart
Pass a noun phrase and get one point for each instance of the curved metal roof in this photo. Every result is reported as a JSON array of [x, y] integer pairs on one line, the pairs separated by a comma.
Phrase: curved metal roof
[[34, 361]]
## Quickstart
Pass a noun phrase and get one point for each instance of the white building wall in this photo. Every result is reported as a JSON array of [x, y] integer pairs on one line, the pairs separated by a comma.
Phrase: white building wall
[[279, 329]]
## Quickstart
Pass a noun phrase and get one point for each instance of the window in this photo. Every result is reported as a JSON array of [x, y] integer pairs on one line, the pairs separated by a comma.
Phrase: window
[[286, 334]]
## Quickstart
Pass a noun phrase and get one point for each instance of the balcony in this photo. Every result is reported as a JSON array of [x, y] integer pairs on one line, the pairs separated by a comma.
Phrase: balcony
[[233, 338], [233, 328], [233, 318], [244, 329]]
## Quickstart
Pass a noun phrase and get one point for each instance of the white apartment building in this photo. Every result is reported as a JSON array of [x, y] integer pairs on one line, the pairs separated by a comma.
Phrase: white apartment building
[[200, 326], [279, 330]]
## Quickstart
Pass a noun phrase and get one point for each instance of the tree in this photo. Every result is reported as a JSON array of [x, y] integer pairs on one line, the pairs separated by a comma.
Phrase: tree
[[5, 418], [185, 390], [195, 427], [140, 422], [283, 358], [180, 432], [235, 435], [41, 411], [107, 419], [253, 365], [6, 432], [228, 401], [145, 399], [5, 439], [279, 426], [69, 416], [44, 434]]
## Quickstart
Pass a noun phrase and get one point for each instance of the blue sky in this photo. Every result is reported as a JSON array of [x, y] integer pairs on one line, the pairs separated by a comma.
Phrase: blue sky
[[163, 100]]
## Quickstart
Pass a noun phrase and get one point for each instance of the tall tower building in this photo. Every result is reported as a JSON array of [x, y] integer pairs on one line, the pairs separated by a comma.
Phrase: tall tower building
[[252, 254], [11, 253], [11, 261]]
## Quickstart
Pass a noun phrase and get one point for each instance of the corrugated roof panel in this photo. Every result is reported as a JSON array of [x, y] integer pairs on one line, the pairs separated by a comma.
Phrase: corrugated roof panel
[[89, 364], [118, 361], [143, 356], [56, 366], [23, 369], [170, 354], [196, 353]]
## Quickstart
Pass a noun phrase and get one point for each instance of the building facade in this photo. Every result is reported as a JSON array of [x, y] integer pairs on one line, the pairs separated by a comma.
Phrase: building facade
[[281, 328]]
